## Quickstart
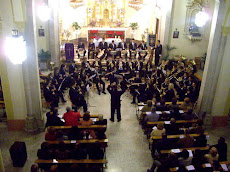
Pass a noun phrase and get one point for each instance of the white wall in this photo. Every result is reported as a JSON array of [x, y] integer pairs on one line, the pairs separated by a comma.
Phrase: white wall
[[183, 44]]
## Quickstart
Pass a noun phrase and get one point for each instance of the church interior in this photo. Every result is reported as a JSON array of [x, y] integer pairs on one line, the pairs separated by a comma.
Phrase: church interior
[[114, 85]]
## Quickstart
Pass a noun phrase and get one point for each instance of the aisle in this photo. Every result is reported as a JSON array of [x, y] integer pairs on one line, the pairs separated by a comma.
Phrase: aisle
[[128, 147]]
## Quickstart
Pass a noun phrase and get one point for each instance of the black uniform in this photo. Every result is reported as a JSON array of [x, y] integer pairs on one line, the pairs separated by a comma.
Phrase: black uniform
[[115, 102]]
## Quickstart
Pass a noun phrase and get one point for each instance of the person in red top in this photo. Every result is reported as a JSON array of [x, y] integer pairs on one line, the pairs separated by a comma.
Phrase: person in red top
[[71, 118], [51, 135]]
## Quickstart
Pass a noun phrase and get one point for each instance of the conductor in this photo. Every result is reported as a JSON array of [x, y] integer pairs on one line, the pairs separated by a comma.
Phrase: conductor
[[115, 101]]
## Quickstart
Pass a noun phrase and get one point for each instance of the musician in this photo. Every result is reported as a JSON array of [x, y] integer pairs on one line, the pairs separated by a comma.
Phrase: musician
[[148, 69], [123, 46], [133, 88], [72, 67], [120, 65], [81, 46], [103, 46], [77, 98], [158, 52], [91, 49], [112, 46], [129, 65], [110, 64], [115, 101], [142, 46], [85, 65], [98, 80], [97, 63], [132, 47], [139, 67]]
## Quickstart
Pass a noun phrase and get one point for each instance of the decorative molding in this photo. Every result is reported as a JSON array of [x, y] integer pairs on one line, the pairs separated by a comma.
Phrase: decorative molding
[[194, 38], [76, 3], [136, 4]]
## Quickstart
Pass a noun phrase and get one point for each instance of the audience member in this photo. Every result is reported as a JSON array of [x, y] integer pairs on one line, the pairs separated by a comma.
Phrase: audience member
[[53, 119], [201, 141], [153, 116], [172, 128], [95, 152], [101, 121], [221, 147], [61, 152], [71, 118], [184, 158], [158, 131], [148, 107], [212, 155], [186, 105], [78, 152], [189, 115], [187, 141], [51, 134], [86, 119], [164, 144]]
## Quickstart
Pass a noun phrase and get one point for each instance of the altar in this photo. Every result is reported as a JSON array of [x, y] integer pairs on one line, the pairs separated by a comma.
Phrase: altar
[[109, 34]]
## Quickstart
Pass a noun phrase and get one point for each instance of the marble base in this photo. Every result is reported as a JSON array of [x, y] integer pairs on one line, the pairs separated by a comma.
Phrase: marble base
[[219, 121], [16, 124]]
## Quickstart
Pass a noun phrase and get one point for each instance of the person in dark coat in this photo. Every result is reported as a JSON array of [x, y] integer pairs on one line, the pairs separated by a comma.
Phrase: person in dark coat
[[53, 119], [221, 146], [115, 101], [91, 49], [158, 52]]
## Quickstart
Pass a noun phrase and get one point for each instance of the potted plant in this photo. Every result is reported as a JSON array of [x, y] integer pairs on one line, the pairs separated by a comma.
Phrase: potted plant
[[134, 26], [44, 58], [77, 28]]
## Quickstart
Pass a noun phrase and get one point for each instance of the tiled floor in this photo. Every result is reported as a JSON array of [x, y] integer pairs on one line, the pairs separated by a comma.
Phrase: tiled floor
[[127, 148]]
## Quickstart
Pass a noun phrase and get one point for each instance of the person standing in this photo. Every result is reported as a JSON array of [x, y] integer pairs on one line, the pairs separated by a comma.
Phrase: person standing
[[91, 49], [158, 52], [115, 101]]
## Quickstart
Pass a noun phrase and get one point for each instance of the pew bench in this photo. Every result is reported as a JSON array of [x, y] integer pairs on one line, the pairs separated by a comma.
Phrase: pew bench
[[81, 127], [180, 150], [207, 165], [72, 161], [181, 123]]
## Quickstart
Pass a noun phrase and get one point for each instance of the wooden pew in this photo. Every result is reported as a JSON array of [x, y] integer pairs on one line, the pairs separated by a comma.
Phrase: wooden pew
[[149, 124], [71, 161], [79, 141], [192, 149], [166, 103], [207, 165], [198, 76], [2, 104], [178, 136], [81, 127]]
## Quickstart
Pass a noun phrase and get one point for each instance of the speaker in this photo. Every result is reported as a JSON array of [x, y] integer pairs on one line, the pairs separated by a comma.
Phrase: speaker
[[18, 154]]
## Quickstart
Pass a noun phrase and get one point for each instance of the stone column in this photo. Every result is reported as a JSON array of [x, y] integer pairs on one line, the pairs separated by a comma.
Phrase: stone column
[[34, 120], [2, 169], [214, 59], [164, 37], [221, 102], [54, 43]]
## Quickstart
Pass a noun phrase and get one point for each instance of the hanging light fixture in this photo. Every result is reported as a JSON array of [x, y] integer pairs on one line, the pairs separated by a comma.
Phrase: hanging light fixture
[[44, 12], [201, 18], [15, 49]]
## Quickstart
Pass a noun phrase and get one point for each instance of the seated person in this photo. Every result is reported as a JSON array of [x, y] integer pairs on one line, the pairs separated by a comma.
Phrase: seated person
[[201, 141], [164, 116], [189, 115], [198, 128], [45, 153], [71, 118], [53, 119], [101, 120], [78, 152], [164, 143], [186, 104], [153, 116], [51, 134], [212, 155], [187, 141], [184, 158], [61, 152], [198, 160], [75, 134], [86, 121], [158, 131], [174, 104], [148, 107], [164, 164], [172, 128], [95, 152], [221, 147], [161, 106], [34, 168], [100, 134]]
